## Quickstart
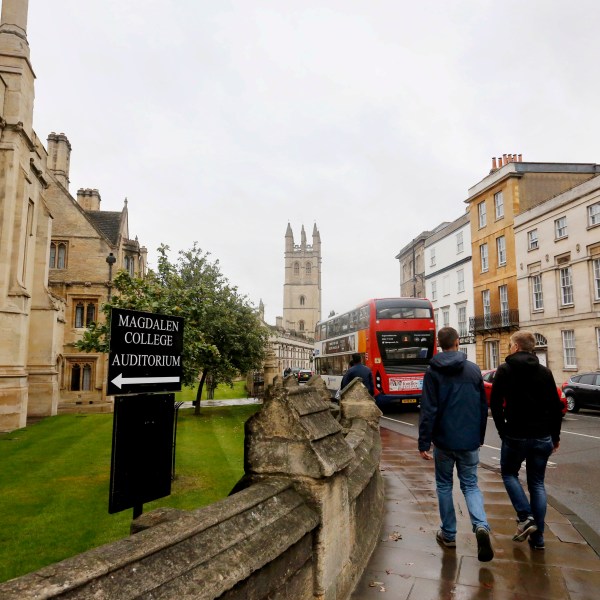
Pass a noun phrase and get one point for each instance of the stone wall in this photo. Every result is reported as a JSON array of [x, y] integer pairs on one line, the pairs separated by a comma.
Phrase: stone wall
[[301, 523]]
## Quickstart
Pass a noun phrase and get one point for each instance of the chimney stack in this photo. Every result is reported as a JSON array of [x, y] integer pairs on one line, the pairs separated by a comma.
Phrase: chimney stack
[[59, 157], [88, 199]]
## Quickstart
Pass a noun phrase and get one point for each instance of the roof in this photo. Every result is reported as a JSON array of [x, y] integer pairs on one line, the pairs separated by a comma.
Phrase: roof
[[107, 223]]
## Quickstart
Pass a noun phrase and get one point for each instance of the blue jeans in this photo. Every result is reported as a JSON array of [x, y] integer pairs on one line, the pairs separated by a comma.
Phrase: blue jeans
[[535, 451], [466, 462]]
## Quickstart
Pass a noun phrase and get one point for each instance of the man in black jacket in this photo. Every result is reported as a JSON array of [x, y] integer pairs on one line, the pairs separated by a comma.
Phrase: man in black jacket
[[454, 417], [527, 412]]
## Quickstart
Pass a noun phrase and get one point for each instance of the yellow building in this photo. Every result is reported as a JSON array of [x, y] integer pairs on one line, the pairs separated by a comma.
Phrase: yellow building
[[511, 187]]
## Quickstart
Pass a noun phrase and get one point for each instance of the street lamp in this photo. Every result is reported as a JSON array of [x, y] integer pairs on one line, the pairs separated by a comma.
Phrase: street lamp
[[111, 260]]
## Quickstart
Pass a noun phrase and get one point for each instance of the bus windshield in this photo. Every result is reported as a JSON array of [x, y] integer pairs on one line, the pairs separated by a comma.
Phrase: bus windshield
[[405, 347]]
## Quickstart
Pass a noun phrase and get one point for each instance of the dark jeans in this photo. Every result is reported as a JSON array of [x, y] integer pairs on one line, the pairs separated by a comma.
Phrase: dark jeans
[[535, 451]]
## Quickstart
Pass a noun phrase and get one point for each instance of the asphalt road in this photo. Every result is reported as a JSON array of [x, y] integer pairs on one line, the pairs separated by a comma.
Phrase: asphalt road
[[573, 474]]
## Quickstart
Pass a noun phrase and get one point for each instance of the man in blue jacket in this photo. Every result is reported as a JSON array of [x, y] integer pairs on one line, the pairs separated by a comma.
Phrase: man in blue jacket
[[454, 416], [358, 370]]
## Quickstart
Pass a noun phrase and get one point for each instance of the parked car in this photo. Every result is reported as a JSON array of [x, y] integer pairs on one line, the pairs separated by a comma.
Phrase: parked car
[[488, 380], [582, 391], [304, 375]]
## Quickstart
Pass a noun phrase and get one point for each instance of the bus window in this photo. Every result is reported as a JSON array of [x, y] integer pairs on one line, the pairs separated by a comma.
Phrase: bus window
[[353, 321], [344, 319], [336, 326], [363, 317]]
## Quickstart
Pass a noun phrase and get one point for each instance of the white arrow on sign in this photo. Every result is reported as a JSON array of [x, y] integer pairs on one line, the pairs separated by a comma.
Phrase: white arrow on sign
[[119, 380]]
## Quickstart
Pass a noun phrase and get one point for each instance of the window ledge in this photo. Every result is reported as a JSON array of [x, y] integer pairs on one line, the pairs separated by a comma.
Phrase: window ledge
[[572, 305]]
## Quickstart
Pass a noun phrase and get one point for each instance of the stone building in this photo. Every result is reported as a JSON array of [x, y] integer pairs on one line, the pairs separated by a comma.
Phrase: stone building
[[30, 316], [88, 246], [53, 251], [511, 187], [557, 246], [449, 279], [302, 284], [412, 265]]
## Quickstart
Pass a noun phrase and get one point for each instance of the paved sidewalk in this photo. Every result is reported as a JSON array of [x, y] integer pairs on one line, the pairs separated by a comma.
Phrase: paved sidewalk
[[408, 564]]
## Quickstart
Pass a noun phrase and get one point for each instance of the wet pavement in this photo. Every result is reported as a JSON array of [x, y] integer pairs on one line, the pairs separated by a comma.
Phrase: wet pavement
[[408, 563]]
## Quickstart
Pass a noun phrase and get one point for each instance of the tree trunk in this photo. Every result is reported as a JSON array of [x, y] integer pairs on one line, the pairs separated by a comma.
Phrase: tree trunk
[[199, 392]]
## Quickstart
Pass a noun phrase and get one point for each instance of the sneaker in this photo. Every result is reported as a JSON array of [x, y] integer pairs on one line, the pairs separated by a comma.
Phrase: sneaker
[[484, 545], [524, 529], [539, 545], [439, 536]]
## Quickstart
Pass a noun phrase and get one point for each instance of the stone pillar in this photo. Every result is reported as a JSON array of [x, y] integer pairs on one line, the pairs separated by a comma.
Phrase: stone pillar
[[295, 436], [270, 367], [14, 16]]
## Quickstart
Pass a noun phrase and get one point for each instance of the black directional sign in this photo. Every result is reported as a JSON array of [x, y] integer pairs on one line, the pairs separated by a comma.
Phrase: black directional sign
[[145, 353]]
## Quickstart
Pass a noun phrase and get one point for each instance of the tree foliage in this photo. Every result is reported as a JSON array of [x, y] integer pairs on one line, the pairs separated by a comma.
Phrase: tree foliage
[[223, 335]]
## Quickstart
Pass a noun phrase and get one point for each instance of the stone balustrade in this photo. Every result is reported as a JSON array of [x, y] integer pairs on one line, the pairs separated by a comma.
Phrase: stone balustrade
[[301, 523]]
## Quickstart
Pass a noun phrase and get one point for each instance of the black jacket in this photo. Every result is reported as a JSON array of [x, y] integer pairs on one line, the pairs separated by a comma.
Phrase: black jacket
[[361, 371], [525, 402], [453, 406]]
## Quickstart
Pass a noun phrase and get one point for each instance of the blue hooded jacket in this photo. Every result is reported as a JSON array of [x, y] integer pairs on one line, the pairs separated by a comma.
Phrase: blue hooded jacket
[[453, 406]]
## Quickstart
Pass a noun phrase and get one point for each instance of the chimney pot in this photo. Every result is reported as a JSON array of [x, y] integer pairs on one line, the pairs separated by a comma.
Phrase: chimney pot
[[494, 167]]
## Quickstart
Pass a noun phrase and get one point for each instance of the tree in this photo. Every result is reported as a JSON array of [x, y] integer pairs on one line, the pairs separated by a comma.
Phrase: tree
[[223, 335]]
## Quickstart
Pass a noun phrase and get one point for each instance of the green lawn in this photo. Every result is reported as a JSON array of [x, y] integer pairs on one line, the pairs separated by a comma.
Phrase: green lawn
[[223, 392], [54, 481]]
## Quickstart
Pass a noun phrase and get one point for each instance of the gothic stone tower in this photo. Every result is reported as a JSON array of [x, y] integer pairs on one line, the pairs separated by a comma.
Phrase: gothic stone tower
[[30, 317], [302, 287]]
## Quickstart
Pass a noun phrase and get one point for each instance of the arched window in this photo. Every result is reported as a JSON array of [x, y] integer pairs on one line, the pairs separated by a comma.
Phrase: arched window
[[301, 325], [84, 312], [62, 256], [79, 314], [86, 384], [302, 300], [90, 314], [308, 268], [75, 377], [58, 255], [130, 265], [540, 341], [81, 377], [296, 268]]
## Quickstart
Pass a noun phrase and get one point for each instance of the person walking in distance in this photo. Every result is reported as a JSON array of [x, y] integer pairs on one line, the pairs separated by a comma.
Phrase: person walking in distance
[[358, 370], [454, 417], [527, 412]]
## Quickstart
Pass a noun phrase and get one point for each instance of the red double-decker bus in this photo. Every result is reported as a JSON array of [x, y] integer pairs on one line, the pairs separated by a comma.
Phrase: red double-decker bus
[[396, 338]]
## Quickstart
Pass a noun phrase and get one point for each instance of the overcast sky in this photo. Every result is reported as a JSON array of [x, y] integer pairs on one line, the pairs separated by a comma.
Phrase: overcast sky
[[223, 121]]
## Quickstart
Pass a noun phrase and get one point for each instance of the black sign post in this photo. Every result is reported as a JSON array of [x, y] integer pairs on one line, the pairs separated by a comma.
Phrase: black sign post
[[144, 357], [142, 450]]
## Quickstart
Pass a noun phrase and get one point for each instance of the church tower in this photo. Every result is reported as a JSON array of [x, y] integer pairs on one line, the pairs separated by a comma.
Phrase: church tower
[[302, 286]]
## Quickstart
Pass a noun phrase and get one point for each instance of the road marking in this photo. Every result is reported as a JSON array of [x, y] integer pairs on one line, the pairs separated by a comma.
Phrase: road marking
[[398, 421], [594, 437]]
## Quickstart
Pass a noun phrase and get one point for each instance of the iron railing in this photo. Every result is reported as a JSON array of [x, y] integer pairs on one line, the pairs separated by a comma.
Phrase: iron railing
[[505, 320]]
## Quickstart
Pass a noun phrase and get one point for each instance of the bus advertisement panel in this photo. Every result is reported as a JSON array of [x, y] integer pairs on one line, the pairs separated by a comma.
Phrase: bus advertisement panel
[[396, 339]]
